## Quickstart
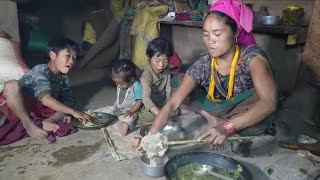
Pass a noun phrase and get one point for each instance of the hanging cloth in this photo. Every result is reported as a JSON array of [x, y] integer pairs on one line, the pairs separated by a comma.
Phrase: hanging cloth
[[214, 69]]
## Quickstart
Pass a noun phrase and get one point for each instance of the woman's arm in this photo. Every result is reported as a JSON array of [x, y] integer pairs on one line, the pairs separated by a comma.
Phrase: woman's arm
[[267, 100], [174, 102], [266, 90]]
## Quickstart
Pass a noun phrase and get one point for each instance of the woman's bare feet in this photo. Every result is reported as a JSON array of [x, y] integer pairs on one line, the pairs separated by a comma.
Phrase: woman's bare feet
[[49, 126], [34, 131], [124, 128]]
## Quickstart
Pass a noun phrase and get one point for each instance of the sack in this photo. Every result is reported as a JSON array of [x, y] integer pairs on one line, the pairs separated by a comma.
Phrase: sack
[[12, 65]]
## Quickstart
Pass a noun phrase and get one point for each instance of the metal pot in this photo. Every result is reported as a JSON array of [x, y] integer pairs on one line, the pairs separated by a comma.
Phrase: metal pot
[[151, 170], [209, 158], [266, 20]]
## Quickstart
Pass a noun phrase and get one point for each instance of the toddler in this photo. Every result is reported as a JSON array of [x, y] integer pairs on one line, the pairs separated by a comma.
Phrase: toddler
[[129, 92]]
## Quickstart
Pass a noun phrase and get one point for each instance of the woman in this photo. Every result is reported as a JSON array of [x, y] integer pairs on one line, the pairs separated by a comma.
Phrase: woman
[[239, 83]]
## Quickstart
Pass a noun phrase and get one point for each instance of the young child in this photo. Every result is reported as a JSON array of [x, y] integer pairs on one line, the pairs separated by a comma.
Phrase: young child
[[43, 93], [129, 91], [155, 78]]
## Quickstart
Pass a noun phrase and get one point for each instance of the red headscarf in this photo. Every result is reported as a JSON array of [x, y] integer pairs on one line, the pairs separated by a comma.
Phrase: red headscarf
[[241, 14]]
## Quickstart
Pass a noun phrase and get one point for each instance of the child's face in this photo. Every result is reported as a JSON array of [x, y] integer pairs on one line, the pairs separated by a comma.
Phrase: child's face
[[63, 61], [121, 83], [159, 63]]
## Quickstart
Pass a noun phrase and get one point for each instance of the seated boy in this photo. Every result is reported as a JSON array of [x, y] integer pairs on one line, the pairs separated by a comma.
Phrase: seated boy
[[43, 93], [155, 78]]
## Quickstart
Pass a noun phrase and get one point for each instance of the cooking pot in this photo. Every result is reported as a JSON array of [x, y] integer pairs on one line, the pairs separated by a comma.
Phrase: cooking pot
[[266, 20], [208, 158], [153, 170]]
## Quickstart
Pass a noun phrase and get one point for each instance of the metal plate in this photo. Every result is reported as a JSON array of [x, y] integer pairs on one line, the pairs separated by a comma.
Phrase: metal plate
[[209, 158], [100, 120]]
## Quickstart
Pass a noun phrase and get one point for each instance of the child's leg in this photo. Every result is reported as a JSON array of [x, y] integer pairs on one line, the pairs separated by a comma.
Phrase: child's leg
[[15, 103], [127, 123], [124, 128]]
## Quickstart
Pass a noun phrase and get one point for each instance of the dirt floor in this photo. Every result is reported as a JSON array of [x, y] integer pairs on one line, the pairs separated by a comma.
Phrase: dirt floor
[[84, 155]]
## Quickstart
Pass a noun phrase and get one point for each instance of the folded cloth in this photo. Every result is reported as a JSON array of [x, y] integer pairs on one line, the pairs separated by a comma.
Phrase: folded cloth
[[119, 147], [241, 14], [14, 131]]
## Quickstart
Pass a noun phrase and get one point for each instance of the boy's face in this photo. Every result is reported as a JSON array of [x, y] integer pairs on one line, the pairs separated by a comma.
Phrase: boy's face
[[63, 61], [159, 63]]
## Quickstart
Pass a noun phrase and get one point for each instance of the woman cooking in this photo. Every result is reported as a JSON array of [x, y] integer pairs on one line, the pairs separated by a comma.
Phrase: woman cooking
[[241, 94]]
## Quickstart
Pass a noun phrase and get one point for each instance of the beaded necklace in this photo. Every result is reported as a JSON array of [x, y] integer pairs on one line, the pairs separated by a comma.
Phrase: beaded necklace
[[124, 100], [214, 66]]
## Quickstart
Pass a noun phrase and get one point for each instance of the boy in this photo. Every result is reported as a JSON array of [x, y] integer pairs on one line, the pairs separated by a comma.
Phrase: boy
[[44, 92], [155, 78]]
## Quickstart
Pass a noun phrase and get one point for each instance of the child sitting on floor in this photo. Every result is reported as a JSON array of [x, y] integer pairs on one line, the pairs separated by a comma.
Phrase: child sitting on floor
[[156, 79], [129, 90], [41, 97]]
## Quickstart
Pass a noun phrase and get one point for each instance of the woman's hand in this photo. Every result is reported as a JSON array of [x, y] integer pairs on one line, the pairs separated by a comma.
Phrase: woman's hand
[[216, 136], [81, 116]]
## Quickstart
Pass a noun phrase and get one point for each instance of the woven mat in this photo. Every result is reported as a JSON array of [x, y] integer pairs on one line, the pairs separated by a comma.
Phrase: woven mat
[[120, 147]]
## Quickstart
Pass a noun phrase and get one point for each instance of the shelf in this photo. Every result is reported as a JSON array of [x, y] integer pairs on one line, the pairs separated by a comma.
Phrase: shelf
[[277, 29]]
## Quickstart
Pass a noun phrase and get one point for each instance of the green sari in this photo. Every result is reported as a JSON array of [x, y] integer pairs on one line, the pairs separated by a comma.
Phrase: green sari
[[228, 108]]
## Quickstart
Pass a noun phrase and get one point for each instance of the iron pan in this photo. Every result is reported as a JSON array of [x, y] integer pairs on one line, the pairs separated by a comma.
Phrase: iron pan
[[106, 118], [208, 158]]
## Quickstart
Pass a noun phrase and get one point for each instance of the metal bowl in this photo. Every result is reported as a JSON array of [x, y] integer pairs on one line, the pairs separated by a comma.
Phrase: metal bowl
[[266, 20], [154, 170]]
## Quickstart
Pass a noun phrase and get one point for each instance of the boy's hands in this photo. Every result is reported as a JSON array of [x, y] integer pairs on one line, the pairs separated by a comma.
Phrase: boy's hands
[[82, 116]]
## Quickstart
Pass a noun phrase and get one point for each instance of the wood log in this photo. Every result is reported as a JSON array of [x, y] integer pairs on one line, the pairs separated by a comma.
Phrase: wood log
[[105, 57], [309, 147], [107, 39]]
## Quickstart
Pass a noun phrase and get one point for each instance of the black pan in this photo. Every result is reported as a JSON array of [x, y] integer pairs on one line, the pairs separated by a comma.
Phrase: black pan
[[208, 158]]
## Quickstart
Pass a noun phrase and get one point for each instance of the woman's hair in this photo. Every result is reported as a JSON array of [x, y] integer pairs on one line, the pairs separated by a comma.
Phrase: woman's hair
[[228, 20], [159, 46], [61, 43], [124, 69]]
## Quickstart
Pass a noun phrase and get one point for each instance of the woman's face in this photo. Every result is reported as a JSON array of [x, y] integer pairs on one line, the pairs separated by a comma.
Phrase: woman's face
[[217, 36]]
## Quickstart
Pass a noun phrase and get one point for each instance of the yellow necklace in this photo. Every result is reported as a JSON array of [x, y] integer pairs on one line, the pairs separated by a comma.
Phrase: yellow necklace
[[214, 66]]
